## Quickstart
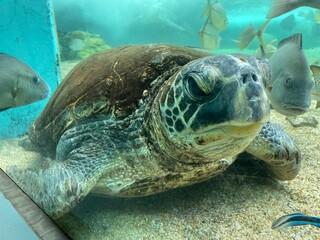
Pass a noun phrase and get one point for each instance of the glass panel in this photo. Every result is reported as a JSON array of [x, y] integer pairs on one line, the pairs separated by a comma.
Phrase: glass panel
[[13, 226], [136, 141]]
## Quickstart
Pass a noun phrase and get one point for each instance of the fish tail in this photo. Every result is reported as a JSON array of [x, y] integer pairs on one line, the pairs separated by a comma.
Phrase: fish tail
[[264, 26], [247, 36], [279, 7], [260, 37]]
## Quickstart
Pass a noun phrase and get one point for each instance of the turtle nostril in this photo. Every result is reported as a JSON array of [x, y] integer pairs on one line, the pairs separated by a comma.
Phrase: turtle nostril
[[249, 77], [254, 77], [244, 78]]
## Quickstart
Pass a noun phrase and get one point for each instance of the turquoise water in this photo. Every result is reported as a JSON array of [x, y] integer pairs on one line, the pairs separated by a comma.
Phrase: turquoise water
[[127, 22], [177, 22]]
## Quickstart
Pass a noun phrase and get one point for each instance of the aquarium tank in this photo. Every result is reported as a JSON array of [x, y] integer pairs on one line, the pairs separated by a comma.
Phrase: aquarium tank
[[159, 119]]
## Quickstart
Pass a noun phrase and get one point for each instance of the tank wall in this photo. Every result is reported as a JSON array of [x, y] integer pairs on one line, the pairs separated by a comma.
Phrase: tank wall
[[27, 32]]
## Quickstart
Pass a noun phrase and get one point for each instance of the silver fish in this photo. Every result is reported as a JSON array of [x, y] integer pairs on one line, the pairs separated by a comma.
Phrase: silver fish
[[246, 37], [279, 7], [217, 15], [19, 84], [76, 44], [209, 37], [289, 91], [295, 219]]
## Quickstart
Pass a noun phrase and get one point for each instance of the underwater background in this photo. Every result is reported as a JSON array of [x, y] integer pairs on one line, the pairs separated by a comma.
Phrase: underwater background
[[239, 204], [178, 22]]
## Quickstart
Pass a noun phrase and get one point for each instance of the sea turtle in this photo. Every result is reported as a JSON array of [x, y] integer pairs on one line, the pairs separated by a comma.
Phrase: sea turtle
[[142, 119]]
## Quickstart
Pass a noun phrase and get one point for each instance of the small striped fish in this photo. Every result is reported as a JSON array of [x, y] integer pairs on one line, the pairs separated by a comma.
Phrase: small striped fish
[[295, 219]]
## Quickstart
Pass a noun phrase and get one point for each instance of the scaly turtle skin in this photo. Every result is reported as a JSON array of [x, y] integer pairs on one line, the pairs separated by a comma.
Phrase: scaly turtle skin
[[140, 120]]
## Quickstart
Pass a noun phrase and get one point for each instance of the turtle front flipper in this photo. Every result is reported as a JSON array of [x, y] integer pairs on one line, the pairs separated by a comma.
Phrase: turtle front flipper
[[276, 148], [62, 183]]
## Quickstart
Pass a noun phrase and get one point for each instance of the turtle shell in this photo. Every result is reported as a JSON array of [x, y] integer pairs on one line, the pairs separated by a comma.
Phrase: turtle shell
[[111, 80]]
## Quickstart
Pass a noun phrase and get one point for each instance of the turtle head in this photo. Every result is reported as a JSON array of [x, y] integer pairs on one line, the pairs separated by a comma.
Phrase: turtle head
[[214, 105]]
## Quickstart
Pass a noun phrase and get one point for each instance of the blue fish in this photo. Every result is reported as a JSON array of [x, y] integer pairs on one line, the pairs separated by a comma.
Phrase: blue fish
[[295, 219]]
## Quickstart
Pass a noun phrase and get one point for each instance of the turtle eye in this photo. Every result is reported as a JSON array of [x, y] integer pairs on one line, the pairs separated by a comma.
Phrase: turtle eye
[[36, 80], [195, 87], [288, 82]]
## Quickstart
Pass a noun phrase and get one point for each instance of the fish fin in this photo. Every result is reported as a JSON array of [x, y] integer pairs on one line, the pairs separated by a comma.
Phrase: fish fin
[[264, 26], [279, 7], [206, 10], [263, 52], [4, 109], [260, 33], [315, 68], [246, 36], [273, 41], [201, 33], [296, 38]]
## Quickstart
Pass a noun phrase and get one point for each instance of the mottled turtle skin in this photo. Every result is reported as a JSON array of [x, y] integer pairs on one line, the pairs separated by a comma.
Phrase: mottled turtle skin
[[142, 119]]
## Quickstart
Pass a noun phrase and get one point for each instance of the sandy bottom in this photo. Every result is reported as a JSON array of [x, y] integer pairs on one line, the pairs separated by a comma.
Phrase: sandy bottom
[[235, 205]]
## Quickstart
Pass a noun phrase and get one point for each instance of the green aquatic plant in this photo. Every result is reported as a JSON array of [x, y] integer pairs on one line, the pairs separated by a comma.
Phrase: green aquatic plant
[[78, 45]]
